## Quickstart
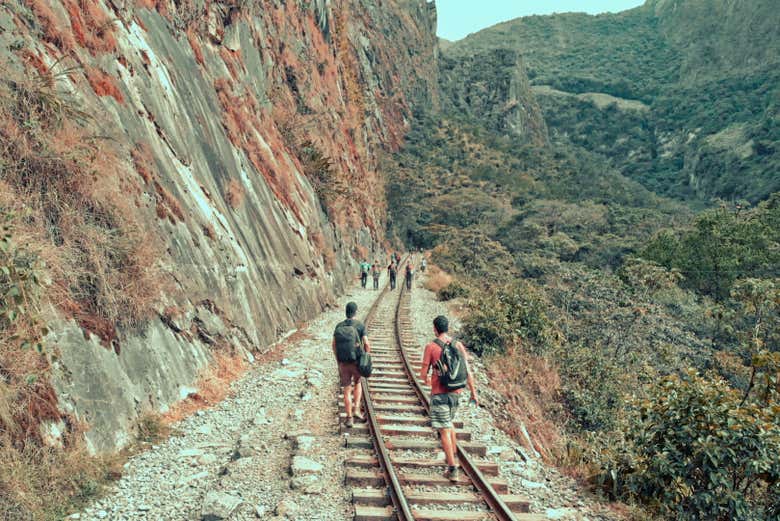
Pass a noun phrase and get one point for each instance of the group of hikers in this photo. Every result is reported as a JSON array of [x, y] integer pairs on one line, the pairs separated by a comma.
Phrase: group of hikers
[[444, 367], [375, 270]]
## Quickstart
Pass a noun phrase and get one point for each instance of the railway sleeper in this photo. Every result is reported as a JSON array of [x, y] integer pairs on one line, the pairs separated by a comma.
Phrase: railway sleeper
[[364, 442], [389, 430], [374, 478], [488, 468], [380, 498], [373, 513], [411, 420]]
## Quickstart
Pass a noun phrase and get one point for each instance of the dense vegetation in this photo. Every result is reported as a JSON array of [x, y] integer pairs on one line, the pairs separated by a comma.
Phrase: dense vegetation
[[685, 116], [643, 310]]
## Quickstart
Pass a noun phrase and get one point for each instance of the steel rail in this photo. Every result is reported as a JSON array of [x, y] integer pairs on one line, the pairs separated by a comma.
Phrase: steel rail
[[489, 494], [401, 506]]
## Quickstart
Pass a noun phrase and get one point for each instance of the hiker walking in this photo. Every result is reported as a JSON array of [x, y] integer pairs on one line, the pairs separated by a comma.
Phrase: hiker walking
[[375, 272], [348, 338], [423, 263], [409, 275], [364, 267], [446, 359], [392, 272]]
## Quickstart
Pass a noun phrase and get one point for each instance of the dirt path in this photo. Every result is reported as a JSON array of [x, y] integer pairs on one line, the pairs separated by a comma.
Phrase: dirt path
[[238, 455]]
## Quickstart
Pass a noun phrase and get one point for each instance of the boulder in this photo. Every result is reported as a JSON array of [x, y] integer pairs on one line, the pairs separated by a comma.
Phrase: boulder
[[218, 505], [286, 508], [308, 484], [302, 466]]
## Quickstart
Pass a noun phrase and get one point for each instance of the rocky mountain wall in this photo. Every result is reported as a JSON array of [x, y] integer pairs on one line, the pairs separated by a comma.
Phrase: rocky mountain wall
[[244, 140], [492, 87]]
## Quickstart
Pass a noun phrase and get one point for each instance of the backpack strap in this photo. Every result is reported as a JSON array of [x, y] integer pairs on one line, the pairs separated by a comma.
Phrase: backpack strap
[[441, 344]]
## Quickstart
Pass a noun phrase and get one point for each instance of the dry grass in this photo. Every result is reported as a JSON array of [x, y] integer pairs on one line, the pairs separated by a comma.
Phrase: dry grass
[[79, 221], [98, 262], [103, 84], [42, 483], [213, 386], [197, 50], [54, 29], [92, 27], [437, 279], [531, 387], [234, 193]]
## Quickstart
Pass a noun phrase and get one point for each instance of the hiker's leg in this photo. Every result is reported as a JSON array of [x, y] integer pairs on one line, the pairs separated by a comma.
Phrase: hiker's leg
[[358, 394], [348, 400], [446, 444]]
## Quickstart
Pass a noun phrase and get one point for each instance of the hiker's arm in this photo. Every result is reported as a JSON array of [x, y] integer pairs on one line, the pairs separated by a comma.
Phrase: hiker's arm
[[470, 376], [426, 364], [366, 344]]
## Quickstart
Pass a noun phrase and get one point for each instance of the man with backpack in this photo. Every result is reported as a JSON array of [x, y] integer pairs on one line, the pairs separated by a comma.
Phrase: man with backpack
[[376, 271], [446, 359], [364, 267], [409, 275], [392, 272], [349, 338]]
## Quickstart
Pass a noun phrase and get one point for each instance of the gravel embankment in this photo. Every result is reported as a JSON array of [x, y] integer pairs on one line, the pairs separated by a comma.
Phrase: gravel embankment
[[548, 490], [270, 451]]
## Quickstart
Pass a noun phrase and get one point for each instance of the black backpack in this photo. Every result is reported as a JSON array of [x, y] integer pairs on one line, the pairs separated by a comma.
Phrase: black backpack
[[451, 366], [364, 363], [347, 341]]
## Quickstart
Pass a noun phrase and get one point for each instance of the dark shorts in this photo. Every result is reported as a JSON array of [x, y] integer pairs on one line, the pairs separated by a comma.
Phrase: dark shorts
[[348, 374], [443, 409]]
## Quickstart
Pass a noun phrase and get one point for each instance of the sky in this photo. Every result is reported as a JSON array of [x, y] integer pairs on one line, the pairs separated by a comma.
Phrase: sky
[[457, 18]]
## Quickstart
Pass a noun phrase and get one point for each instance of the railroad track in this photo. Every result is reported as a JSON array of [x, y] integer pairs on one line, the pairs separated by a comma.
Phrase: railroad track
[[400, 475]]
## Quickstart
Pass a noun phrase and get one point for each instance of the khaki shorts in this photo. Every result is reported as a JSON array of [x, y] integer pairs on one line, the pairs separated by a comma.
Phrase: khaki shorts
[[348, 374], [443, 409]]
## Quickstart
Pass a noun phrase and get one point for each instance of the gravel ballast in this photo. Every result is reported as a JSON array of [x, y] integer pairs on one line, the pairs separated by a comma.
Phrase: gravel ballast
[[270, 451]]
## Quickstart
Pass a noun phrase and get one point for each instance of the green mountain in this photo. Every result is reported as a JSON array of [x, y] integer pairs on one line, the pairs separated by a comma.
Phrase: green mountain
[[566, 185], [680, 95]]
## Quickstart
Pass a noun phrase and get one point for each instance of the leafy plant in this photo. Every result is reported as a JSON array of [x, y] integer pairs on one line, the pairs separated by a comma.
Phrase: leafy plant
[[701, 453], [510, 314]]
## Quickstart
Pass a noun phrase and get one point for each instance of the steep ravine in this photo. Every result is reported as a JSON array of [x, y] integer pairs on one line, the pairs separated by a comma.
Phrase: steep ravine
[[246, 138]]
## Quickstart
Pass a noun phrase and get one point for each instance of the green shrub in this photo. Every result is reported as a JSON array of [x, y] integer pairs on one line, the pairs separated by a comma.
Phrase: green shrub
[[722, 246], [505, 315], [701, 454], [453, 290], [474, 255]]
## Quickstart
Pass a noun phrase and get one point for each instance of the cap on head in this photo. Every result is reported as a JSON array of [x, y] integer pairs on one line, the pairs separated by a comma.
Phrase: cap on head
[[352, 310], [441, 324]]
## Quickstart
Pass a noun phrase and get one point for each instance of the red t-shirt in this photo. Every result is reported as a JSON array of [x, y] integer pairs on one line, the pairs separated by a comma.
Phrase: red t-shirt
[[432, 355]]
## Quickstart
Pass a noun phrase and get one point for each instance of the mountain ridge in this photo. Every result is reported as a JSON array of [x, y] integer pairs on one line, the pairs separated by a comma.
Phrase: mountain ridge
[[660, 54]]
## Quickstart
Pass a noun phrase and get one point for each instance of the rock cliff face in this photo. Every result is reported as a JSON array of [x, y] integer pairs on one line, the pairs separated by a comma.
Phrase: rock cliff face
[[492, 87], [245, 138]]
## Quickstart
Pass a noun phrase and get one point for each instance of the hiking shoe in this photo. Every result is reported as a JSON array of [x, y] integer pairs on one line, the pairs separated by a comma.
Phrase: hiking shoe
[[453, 474], [349, 423], [359, 417]]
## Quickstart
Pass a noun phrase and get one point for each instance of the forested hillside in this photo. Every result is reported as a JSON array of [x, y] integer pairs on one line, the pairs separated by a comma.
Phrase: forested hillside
[[681, 96], [572, 187]]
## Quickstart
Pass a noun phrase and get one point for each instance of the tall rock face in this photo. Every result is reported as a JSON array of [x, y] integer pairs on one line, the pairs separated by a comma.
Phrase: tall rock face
[[492, 87], [243, 139]]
